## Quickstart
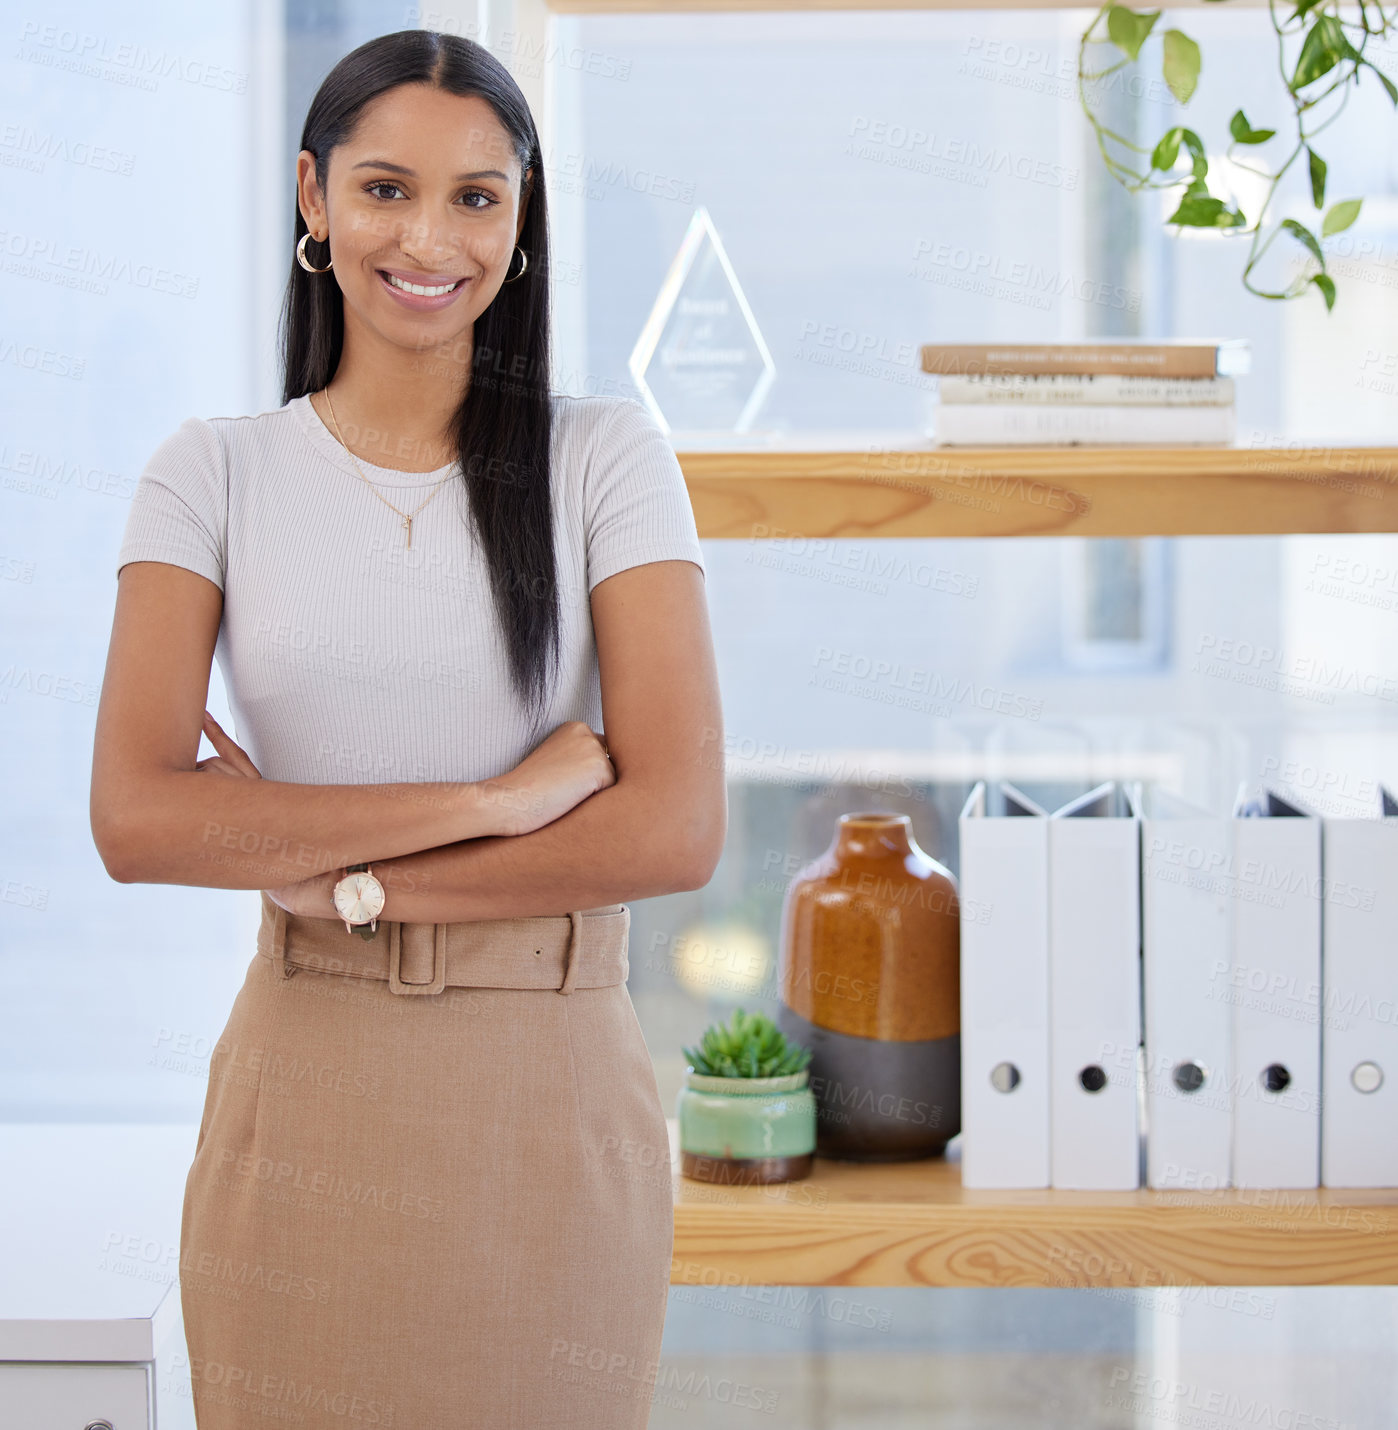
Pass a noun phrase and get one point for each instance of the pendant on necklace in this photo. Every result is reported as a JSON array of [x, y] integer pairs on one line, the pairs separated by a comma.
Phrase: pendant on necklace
[[408, 527]]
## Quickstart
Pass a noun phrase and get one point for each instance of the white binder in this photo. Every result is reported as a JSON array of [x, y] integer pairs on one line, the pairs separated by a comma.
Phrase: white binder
[[1276, 896], [1095, 990], [1004, 990], [1186, 967], [1359, 1031]]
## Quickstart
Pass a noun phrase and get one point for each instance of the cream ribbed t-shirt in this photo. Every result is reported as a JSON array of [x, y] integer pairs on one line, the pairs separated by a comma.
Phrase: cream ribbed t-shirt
[[351, 658]]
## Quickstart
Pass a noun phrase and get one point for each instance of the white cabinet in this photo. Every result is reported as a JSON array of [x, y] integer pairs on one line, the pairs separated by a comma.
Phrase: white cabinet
[[90, 1331], [75, 1397]]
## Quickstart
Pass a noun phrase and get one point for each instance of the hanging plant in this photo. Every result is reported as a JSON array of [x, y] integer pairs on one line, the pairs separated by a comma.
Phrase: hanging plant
[[1324, 46]]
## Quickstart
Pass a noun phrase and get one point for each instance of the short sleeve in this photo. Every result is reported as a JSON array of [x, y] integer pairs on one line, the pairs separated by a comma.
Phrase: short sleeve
[[635, 498], [179, 513]]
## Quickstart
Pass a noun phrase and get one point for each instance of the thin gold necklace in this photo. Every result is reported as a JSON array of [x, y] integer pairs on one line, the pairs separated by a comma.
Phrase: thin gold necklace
[[407, 518]]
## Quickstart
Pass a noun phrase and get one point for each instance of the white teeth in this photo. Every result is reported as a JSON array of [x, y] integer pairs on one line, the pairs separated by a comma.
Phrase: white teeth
[[418, 288]]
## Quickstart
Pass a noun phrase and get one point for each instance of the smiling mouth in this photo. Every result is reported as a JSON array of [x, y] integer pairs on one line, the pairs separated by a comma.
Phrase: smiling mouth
[[420, 290]]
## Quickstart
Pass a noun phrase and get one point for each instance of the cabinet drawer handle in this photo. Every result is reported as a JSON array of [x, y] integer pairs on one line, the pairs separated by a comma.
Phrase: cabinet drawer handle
[[98, 1425]]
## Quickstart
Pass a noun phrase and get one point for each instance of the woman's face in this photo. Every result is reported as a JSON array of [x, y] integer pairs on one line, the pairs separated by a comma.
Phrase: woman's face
[[425, 192]]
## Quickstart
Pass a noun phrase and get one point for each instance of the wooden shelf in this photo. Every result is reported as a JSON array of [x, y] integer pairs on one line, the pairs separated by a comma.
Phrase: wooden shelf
[[912, 1224], [1042, 491], [677, 7]]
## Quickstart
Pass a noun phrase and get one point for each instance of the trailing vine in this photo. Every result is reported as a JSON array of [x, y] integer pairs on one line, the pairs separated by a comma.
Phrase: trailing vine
[[1329, 45]]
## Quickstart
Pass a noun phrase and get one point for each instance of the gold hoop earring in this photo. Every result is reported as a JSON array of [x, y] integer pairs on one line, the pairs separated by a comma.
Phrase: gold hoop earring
[[304, 262], [523, 264]]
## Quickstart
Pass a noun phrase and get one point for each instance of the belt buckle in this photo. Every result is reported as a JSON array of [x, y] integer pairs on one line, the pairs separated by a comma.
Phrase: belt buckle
[[395, 961]]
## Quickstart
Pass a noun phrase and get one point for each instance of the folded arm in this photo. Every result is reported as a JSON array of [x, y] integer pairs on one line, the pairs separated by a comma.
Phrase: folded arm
[[158, 818], [659, 829]]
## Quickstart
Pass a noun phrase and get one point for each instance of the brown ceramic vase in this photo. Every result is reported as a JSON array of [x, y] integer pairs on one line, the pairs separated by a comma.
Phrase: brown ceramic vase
[[870, 980]]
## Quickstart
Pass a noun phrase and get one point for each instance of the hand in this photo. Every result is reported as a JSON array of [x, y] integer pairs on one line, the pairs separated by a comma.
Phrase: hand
[[312, 898], [564, 769], [309, 898], [231, 759]]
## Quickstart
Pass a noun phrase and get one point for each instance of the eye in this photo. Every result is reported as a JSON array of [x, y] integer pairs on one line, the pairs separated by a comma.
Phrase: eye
[[378, 184]]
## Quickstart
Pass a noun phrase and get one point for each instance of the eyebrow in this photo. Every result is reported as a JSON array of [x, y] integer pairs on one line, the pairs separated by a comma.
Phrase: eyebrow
[[399, 169]]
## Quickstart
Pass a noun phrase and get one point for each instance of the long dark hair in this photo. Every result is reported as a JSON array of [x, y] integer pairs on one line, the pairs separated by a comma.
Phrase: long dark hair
[[503, 426]]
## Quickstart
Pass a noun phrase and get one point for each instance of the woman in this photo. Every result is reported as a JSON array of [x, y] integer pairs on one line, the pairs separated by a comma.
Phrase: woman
[[431, 1185]]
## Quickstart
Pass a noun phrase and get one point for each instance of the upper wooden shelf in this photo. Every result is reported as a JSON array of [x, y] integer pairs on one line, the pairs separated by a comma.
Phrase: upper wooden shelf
[[912, 1224], [668, 7], [1042, 491]]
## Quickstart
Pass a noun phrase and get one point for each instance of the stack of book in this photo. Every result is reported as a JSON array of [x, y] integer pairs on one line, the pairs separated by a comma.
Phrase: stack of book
[[1155, 391]]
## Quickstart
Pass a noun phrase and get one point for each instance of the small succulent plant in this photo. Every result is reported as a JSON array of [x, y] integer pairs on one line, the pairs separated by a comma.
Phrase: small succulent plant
[[751, 1045]]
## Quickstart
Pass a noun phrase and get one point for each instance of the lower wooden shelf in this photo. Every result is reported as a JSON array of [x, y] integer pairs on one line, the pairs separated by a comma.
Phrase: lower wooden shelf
[[913, 1224]]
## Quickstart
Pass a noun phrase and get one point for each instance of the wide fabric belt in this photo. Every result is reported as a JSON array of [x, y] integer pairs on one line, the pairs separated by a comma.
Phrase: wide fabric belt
[[561, 953]]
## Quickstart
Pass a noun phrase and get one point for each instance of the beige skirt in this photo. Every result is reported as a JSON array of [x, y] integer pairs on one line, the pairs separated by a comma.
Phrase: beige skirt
[[431, 1185]]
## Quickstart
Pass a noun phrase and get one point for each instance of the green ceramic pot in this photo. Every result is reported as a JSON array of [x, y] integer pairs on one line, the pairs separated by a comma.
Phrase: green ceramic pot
[[747, 1129]]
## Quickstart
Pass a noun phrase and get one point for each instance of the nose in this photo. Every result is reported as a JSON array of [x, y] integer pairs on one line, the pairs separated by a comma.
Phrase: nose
[[424, 241]]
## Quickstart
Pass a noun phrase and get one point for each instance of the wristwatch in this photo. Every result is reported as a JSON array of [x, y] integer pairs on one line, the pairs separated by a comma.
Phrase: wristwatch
[[359, 900]]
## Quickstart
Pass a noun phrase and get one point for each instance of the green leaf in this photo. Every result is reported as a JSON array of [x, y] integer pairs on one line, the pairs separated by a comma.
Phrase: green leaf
[[1195, 145], [1323, 48], [1129, 29], [1302, 6], [1165, 153], [1340, 217], [751, 1045], [1205, 211], [1306, 237], [1244, 133], [1181, 64], [1317, 177], [1326, 284]]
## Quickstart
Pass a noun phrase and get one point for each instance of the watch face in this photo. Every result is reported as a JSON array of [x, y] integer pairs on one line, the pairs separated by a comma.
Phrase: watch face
[[359, 898]]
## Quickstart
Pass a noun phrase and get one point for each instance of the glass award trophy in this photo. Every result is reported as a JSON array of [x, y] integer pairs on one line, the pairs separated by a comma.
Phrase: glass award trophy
[[700, 363]]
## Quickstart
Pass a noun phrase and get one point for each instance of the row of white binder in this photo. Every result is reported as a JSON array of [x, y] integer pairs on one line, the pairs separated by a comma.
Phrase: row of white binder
[[1222, 991]]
